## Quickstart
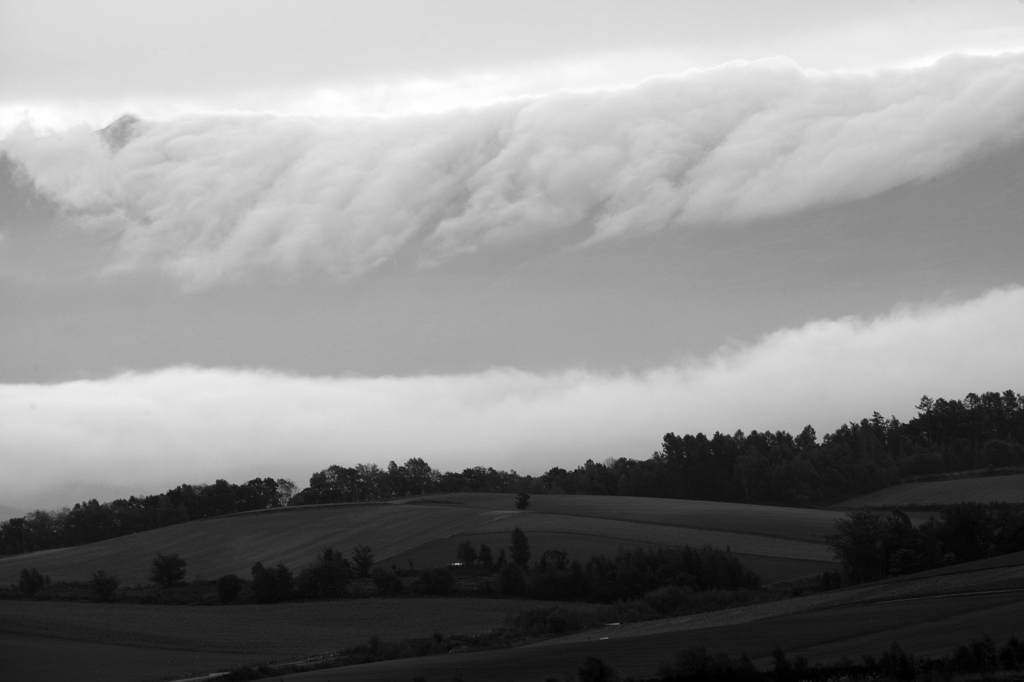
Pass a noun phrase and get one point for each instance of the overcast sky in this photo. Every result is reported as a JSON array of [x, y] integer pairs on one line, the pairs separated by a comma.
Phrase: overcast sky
[[517, 234]]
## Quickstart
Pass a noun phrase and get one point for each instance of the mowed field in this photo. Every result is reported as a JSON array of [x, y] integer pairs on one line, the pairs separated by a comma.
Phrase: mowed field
[[1008, 488], [781, 542], [928, 615]]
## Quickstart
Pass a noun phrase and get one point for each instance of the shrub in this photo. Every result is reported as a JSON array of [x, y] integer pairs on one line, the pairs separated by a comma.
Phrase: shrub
[[228, 588], [593, 669], [523, 501], [362, 560], [511, 581], [326, 578], [31, 582], [466, 553], [271, 585], [437, 580], [103, 585], [485, 557], [168, 570], [387, 582], [519, 550]]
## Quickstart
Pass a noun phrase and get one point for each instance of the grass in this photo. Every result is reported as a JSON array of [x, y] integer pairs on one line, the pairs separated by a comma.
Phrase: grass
[[1008, 488], [266, 631], [852, 620], [428, 531]]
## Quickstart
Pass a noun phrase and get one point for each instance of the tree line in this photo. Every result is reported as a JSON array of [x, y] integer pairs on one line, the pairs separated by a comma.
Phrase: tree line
[[871, 546], [764, 467]]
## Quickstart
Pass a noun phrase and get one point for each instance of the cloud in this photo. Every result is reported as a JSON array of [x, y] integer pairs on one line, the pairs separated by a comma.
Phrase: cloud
[[148, 432], [214, 196]]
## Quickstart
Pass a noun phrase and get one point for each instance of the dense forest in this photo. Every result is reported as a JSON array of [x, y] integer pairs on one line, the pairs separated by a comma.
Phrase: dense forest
[[980, 431]]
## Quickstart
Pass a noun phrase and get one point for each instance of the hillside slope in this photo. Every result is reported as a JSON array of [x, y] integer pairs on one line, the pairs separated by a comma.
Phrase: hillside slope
[[427, 531], [1008, 488]]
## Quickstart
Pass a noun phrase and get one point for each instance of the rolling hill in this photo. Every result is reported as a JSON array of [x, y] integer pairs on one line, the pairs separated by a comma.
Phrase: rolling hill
[[1008, 488], [779, 542]]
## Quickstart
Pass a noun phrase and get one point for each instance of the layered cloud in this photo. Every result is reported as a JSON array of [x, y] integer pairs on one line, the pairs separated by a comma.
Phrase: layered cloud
[[152, 431], [214, 196]]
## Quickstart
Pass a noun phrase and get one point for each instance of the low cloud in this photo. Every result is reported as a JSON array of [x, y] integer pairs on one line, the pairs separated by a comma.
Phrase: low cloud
[[148, 432], [208, 197]]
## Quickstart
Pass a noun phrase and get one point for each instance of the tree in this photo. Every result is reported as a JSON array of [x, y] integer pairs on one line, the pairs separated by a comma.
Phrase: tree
[[512, 581], [327, 577], [387, 582], [466, 553], [519, 550], [168, 570], [32, 581], [271, 585], [228, 588], [438, 580], [593, 669], [485, 557], [523, 501], [362, 559], [104, 585]]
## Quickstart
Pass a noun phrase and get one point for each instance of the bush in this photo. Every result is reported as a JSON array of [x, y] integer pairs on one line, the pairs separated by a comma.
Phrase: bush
[[32, 581], [523, 501], [593, 669], [511, 581], [436, 581], [168, 570], [466, 553], [103, 585], [485, 557], [326, 578], [271, 585], [228, 588], [387, 582], [520, 548], [362, 560]]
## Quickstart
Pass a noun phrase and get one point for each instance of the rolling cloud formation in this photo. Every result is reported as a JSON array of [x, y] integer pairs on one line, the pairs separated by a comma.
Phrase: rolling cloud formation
[[145, 429], [209, 197]]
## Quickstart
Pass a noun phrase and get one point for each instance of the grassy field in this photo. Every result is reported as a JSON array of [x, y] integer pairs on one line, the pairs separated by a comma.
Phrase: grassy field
[[985, 489], [260, 631], [427, 531], [928, 615], [97, 641]]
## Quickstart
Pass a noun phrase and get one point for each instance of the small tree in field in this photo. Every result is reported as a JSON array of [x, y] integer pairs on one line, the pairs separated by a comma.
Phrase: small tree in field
[[519, 550], [168, 570], [523, 501], [485, 557], [228, 588], [32, 581], [362, 560], [467, 553], [103, 585]]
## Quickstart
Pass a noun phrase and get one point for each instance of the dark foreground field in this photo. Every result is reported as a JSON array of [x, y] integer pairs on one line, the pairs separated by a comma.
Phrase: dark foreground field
[[928, 614]]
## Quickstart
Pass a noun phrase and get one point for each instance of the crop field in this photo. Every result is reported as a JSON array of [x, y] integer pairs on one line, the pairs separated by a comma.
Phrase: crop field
[[929, 617], [428, 533], [788, 522], [232, 544], [260, 631], [986, 489]]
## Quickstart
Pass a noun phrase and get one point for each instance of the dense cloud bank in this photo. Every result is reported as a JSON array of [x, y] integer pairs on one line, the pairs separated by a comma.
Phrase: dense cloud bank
[[153, 431], [214, 196]]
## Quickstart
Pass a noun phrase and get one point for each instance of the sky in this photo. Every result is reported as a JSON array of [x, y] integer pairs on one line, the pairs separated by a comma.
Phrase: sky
[[244, 239]]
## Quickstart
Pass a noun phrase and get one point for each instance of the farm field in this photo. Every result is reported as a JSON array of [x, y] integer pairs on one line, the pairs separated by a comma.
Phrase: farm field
[[258, 632], [188, 639], [928, 617], [1008, 488], [789, 522], [788, 543]]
